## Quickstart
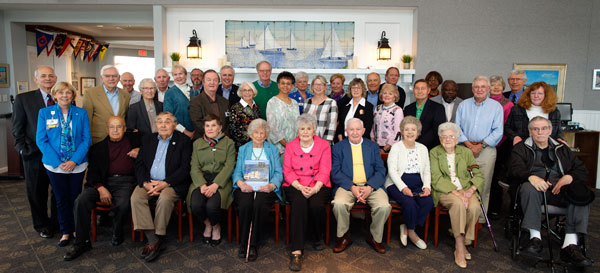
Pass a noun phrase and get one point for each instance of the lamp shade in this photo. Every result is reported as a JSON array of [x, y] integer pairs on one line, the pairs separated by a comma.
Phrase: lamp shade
[[384, 51], [194, 48]]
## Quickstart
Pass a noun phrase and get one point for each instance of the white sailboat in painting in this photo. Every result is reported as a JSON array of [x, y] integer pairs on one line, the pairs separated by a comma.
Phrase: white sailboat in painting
[[267, 43], [333, 48], [292, 42], [252, 41], [245, 43]]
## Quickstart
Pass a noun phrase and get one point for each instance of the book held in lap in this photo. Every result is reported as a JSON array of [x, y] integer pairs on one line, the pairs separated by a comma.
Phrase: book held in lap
[[256, 173]]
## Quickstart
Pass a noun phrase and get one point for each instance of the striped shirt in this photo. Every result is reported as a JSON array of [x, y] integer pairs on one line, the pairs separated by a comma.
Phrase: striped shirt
[[326, 114]]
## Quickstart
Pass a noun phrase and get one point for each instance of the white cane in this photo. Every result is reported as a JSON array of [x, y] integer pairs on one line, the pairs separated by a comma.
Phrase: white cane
[[249, 235]]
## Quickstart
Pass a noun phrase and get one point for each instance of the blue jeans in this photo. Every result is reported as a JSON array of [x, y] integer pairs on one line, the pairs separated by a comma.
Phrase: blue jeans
[[414, 209], [66, 188]]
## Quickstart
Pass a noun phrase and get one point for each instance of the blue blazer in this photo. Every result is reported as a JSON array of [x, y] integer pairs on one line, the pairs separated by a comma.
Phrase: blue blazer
[[275, 170], [342, 169], [177, 103], [48, 140]]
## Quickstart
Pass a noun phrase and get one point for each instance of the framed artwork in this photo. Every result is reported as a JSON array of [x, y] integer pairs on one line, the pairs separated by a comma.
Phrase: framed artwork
[[86, 83], [596, 80], [75, 84], [553, 74], [4, 79], [22, 86]]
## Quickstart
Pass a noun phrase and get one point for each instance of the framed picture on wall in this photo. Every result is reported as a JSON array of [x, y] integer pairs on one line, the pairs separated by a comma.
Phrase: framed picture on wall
[[596, 80], [22, 86], [86, 83], [4, 76], [553, 74]]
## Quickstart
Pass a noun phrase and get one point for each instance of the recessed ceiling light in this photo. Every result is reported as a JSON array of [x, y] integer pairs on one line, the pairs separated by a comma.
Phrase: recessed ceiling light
[[99, 26]]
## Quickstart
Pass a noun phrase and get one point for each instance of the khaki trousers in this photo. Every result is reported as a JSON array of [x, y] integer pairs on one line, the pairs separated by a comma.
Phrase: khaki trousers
[[140, 210], [380, 210], [486, 161], [462, 219]]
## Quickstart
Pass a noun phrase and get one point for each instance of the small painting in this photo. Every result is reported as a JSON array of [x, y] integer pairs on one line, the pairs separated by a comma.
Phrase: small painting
[[553, 74], [596, 80], [4, 80], [86, 83], [22, 87]]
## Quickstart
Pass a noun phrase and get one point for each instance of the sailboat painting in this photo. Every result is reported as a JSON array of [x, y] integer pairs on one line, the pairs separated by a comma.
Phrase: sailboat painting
[[289, 44]]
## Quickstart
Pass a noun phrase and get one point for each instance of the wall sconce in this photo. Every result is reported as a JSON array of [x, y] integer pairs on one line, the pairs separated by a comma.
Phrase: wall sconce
[[384, 51], [194, 49]]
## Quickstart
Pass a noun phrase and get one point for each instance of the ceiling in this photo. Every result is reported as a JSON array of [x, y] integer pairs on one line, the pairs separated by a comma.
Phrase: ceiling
[[118, 35]]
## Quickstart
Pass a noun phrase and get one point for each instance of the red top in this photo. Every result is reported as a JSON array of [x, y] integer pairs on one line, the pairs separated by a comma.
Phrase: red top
[[307, 168]]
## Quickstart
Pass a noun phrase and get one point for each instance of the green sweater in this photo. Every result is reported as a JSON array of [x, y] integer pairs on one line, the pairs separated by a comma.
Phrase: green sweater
[[440, 176], [264, 95], [221, 161]]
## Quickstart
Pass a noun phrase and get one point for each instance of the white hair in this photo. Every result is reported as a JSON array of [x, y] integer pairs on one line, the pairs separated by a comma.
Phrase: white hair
[[227, 67], [518, 72], [355, 120], [108, 66]]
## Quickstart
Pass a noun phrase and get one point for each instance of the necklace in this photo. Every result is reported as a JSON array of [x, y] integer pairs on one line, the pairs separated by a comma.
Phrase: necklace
[[259, 155]]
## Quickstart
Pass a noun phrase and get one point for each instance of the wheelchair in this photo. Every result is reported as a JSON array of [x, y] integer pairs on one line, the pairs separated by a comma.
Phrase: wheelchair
[[554, 224]]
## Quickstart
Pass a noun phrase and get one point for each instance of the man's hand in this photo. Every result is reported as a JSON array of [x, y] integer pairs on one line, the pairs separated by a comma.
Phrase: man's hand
[[148, 186], [67, 165], [244, 187], [157, 188], [516, 140], [105, 196], [406, 191], [365, 192], [188, 133], [356, 191], [565, 180], [134, 152], [539, 183]]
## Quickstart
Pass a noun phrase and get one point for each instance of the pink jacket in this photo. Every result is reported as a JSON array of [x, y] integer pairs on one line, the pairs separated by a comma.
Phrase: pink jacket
[[307, 168]]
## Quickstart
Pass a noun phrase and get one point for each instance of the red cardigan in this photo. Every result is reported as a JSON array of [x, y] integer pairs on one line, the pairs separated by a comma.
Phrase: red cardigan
[[307, 168]]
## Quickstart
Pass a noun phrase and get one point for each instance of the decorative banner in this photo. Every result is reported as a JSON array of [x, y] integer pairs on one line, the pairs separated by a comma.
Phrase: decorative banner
[[102, 51], [60, 47], [42, 40], [94, 52], [77, 48], [88, 49]]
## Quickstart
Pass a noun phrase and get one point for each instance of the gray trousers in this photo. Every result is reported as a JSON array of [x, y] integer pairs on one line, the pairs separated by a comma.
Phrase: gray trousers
[[532, 201]]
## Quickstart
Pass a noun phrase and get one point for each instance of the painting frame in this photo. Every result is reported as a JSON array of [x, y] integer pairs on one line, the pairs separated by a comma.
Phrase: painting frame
[[596, 80], [4, 76], [558, 73], [86, 83], [22, 87]]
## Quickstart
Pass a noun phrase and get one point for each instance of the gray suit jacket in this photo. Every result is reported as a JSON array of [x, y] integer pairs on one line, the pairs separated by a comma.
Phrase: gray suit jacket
[[440, 100]]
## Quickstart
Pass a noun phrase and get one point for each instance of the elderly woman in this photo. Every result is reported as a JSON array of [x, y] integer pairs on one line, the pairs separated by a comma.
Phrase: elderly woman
[[306, 168], [301, 94], [323, 108], [356, 107], [434, 79], [254, 205], [212, 163], [282, 112], [409, 180], [455, 181], [337, 87], [242, 113], [387, 118], [63, 136], [142, 114], [430, 113], [538, 99]]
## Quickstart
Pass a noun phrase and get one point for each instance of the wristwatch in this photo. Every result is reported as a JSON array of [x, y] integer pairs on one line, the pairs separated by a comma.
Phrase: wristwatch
[[484, 145]]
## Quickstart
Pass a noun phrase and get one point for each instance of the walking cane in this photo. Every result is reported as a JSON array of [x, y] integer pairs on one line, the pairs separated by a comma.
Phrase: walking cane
[[548, 220], [249, 236], [487, 221]]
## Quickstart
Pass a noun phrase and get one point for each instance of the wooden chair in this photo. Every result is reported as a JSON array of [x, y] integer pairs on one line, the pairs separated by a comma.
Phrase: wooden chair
[[104, 207], [288, 209], [276, 208], [441, 210], [397, 208], [178, 208]]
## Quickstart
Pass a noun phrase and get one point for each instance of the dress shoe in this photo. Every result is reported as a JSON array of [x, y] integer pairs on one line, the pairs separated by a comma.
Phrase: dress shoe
[[375, 245], [76, 250], [153, 251], [461, 264], [341, 244], [242, 252], [318, 245], [205, 240], [403, 236], [65, 242], [145, 251], [572, 254], [295, 262], [534, 246], [252, 254], [215, 242], [116, 240], [493, 215], [46, 233], [420, 244], [467, 256]]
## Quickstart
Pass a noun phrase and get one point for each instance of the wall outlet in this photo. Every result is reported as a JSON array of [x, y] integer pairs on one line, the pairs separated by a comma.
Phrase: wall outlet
[[4, 98]]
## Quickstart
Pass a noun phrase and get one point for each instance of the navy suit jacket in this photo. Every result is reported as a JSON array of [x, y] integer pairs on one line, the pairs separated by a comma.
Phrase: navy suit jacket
[[342, 167], [233, 96], [433, 115]]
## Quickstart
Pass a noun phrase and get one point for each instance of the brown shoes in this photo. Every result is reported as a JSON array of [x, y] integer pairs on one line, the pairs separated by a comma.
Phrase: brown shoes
[[342, 243], [375, 245]]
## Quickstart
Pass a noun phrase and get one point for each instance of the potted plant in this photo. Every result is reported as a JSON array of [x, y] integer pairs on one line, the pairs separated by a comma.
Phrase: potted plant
[[175, 58], [406, 59]]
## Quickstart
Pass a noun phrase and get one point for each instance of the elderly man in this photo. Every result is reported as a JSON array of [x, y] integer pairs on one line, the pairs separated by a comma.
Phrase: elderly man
[[392, 74], [127, 81], [265, 86], [177, 101], [110, 180], [481, 126], [227, 89], [209, 102], [162, 171], [196, 78], [105, 101], [449, 99], [358, 174], [24, 122], [545, 166], [301, 95], [516, 81], [373, 82], [162, 82]]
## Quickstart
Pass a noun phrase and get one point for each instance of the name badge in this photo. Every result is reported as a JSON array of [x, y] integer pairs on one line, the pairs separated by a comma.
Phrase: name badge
[[226, 113], [51, 123]]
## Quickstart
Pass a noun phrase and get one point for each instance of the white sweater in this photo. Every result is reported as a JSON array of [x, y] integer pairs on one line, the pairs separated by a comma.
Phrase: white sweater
[[397, 160]]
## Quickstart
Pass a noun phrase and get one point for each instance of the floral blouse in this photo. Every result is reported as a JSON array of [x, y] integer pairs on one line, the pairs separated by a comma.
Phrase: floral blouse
[[240, 116], [386, 124], [281, 118]]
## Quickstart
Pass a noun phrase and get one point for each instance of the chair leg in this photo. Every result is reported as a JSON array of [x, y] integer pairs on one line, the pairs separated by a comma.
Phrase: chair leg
[[436, 227], [477, 227], [191, 226], [94, 225], [276, 223], [389, 228], [287, 224], [179, 216], [229, 212], [426, 231], [327, 222]]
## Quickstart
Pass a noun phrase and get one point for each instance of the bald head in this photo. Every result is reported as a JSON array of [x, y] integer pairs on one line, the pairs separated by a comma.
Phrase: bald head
[[127, 81], [116, 128], [373, 82], [45, 78]]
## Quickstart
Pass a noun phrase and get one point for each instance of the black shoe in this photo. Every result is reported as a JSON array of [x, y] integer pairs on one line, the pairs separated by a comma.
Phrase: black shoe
[[295, 262], [242, 252], [76, 250], [493, 215], [215, 242], [205, 240], [252, 254], [153, 251], [46, 233], [572, 254], [318, 245], [145, 251], [63, 243], [534, 246], [116, 240]]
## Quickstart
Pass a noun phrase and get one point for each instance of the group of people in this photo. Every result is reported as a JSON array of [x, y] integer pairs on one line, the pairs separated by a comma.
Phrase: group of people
[[201, 143]]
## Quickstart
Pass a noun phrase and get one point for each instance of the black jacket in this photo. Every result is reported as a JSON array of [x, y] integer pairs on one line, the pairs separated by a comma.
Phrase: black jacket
[[24, 121], [433, 115], [137, 117], [364, 113], [518, 122], [233, 96], [177, 162], [98, 159]]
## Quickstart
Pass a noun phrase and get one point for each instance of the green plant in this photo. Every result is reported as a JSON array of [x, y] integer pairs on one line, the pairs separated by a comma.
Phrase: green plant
[[175, 56], [407, 59]]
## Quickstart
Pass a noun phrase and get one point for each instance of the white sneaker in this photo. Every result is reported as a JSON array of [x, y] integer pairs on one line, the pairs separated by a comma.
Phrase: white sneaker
[[403, 235]]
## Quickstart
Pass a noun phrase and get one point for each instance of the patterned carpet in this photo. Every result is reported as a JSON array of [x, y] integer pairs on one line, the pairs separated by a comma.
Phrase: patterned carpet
[[22, 250]]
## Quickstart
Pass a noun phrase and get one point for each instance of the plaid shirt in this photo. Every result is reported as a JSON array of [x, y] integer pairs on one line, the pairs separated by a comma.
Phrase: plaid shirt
[[326, 114]]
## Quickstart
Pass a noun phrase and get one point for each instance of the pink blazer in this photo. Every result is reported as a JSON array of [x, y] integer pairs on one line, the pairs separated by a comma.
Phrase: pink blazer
[[307, 168]]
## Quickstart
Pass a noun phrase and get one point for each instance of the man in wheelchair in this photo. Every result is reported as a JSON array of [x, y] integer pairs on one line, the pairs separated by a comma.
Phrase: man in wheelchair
[[546, 166]]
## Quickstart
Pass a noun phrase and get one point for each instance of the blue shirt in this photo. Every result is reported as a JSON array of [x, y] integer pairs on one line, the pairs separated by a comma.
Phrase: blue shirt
[[113, 99], [195, 92], [226, 92], [482, 122], [373, 98], [158, 165], [515, 97], [45, 96], [297, 97], [262, 85]]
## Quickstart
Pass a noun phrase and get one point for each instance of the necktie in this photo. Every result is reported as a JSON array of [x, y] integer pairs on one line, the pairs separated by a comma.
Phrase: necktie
[[49, 100]]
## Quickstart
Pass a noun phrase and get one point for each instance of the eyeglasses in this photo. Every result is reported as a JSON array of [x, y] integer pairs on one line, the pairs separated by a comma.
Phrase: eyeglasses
[[246, 90], [147, 88], [111, 76], [514, 79], [448, 137], [538, 129], [115, 126], [319, 84]]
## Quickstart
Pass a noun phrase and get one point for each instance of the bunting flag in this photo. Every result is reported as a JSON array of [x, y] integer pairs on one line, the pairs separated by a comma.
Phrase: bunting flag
[[88, 48], [77, 48], [42, 40], [59, 42], [94, 52], [101, 52], [60, 48]]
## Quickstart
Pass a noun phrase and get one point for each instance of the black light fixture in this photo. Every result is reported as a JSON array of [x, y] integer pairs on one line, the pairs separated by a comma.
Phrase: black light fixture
[[384, 51], [194, 49]]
